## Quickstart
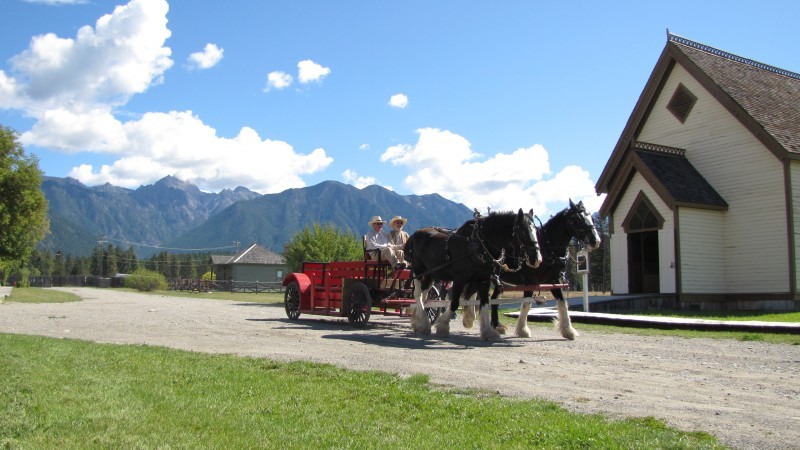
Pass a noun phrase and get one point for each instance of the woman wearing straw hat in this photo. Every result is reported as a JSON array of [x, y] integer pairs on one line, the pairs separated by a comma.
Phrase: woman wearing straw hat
[[379, 244], [398, 237]]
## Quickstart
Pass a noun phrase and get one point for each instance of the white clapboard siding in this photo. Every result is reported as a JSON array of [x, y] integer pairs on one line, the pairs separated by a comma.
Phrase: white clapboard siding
[[702, 250], [619, 248], [619, 263], [744, 172], [666, 257], [795, 174]]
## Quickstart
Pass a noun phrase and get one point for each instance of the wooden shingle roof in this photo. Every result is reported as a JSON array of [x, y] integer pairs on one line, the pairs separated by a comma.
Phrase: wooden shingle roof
[[765, 99], [771, 96], [676, 177], [255, 254]]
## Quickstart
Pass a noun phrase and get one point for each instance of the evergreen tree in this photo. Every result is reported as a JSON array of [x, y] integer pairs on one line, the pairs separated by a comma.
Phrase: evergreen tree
[[110, 261], [59, 268], [186, 266], [80, 266], [96, 262], [133, 262]]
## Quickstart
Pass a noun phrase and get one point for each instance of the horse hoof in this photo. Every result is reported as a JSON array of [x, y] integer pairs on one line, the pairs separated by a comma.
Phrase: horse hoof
[[491, 337], [501, 329]]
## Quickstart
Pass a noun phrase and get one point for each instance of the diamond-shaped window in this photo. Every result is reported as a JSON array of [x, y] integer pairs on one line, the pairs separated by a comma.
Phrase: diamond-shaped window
[[681, 103]]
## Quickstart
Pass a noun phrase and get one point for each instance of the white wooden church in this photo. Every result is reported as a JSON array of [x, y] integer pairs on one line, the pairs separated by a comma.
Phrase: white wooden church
[[703, 186]]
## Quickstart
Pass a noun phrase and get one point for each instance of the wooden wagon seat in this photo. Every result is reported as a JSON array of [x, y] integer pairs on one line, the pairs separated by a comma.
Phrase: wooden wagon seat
[[368, 256]]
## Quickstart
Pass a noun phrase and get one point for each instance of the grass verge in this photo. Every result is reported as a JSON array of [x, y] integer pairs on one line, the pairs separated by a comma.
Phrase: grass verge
[[37, 295], [60, 393], [244, 297], [728, 315], [543, 328]]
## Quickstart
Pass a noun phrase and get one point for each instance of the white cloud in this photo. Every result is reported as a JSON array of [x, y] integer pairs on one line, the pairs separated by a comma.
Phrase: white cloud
[[278, 80], [72, 87], [443, 162], [308, 71], [363, 147], [102, 67], [398, 101], [95, 130], [351, 177], [9, 92], [206, 59], [180, 144]]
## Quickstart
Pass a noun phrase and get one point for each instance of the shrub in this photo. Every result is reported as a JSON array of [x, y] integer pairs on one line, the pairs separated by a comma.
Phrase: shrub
[[146, 280], [209, 276]]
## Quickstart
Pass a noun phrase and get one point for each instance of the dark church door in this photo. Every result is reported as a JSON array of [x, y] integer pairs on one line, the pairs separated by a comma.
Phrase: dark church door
[[643, 262]]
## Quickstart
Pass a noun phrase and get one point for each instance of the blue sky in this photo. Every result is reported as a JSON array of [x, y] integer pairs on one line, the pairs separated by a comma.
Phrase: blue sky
[[501, 104]]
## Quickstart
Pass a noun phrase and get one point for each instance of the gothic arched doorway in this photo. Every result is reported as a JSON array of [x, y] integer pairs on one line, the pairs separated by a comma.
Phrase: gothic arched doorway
[[641, 226]]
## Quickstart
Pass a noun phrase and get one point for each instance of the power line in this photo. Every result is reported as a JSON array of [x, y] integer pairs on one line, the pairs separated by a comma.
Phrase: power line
[[137, 244]]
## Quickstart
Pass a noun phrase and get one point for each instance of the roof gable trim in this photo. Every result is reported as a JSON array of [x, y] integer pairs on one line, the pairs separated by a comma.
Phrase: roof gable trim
[[731, 56], [639, 145]]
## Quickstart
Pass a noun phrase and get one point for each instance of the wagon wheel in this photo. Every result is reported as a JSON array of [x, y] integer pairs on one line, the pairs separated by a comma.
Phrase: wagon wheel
[[359, 305], [433, 313], [291, 300]]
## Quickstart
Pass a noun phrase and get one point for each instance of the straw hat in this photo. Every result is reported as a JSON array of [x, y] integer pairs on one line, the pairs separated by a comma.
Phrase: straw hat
[[375, 219], [398, 219]]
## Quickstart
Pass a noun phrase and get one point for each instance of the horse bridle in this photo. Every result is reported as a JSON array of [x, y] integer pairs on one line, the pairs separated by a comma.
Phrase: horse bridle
[[578, 227], [524, 247]]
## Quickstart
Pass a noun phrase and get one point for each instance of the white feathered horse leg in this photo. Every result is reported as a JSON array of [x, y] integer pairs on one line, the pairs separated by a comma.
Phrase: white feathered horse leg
[[563, 322], [522, 321], [468, 315], [442, 323], [420, 323], [488, 333]]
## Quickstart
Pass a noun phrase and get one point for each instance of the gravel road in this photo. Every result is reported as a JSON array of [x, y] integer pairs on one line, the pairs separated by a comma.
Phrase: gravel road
[[745, 393]]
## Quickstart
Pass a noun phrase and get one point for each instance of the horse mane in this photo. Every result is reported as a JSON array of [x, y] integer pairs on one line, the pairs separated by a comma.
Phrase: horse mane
[[555, 219], [547, 233], [436, 231], [494, 222]]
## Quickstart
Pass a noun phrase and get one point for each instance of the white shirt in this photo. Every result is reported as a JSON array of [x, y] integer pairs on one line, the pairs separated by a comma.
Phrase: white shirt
[[376, 240]]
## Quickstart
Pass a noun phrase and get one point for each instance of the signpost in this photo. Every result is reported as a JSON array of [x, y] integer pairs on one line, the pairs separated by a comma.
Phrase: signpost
[[583, 269]]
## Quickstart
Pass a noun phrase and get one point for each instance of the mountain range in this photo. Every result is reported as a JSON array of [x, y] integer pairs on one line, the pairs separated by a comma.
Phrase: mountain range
[[176, 216]]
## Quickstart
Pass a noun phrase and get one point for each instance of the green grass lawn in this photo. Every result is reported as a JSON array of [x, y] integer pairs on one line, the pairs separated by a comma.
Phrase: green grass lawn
[[60, 393], [728, 315], [37, 295]]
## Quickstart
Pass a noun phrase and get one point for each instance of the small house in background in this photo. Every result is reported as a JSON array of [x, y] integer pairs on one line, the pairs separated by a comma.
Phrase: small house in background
[[704, 184], [254, 263]]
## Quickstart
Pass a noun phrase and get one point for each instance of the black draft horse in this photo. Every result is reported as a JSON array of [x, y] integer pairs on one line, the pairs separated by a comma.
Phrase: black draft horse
[[473, 253], [554, 238]]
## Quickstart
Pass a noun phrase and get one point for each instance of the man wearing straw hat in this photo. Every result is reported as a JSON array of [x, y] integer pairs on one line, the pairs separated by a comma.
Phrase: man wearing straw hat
[[378, 243]]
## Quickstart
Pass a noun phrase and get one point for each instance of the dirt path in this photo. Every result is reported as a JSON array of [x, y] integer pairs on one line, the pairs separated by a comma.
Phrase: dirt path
[[746, 393]]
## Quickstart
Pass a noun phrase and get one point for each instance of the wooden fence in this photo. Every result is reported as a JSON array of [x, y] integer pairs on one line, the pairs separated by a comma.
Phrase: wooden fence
[[175, 284], [193, 285]]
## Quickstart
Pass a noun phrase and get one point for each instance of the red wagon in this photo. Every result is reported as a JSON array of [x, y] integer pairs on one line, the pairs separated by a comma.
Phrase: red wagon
[[352, 289]]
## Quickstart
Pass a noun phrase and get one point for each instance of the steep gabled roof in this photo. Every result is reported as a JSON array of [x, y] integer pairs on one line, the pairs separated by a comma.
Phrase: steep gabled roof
[[765, 99], [682, 183], [670, 174], [769, 95], [255, 254]]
